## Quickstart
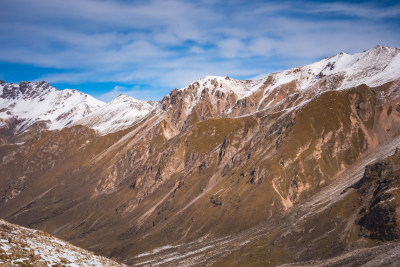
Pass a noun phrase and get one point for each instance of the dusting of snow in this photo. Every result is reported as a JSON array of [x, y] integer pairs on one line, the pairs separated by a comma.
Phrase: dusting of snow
[[29, 103], [19, 245], [218, 84], [391, 189], [39, 101], [119, 114], [372, 67]]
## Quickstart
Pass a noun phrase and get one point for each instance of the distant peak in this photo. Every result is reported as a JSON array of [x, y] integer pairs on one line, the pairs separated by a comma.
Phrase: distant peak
[[380, 47], [40, 86], [123, 97], [211, 78], [26, 89], [338, 55], [41, 83]]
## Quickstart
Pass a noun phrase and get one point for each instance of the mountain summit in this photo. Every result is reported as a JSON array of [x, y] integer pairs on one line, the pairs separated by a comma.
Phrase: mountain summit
[[119, 114], [38, 105]]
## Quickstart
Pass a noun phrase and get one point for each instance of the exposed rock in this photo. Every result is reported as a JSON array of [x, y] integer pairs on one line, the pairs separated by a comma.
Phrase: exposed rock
[[379, 191], [20, 246], [389, 110], [216, 201]]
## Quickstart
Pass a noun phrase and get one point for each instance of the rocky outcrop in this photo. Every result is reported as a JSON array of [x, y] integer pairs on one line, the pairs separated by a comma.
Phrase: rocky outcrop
[[20, 246], [379, 191]]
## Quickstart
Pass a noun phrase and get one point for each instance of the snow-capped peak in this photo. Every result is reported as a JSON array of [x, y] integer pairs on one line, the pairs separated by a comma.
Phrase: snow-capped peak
[[241, 88], [128, 99], [31, 102], [119, 114], [217, 87], [122, 97], [341, 71], [372, 67]]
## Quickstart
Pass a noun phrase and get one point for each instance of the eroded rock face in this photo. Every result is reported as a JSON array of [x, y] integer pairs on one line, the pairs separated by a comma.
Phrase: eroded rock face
[[379, 191]]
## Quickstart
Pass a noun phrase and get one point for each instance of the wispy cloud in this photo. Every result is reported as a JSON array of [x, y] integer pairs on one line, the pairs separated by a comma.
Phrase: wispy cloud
[[358, 10], [165, 44]]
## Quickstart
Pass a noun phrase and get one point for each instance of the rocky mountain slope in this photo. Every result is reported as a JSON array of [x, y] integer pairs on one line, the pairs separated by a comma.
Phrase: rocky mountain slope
[[20, 246], [223, 172]]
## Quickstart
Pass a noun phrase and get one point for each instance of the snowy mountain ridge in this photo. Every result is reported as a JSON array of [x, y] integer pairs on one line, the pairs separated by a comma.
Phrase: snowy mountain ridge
[[27, 103], [31, 102], [372, 67], [118, 114]]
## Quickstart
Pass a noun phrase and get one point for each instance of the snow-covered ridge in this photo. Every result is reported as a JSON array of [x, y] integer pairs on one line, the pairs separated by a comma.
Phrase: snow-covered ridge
[[215, 85], [119, 114], [20, 246], [242, 88], [372, 67], [27, 103], [39, 101]]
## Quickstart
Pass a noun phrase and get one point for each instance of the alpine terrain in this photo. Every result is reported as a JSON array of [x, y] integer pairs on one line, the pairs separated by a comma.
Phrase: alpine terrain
[[299, 168], [20, 246]]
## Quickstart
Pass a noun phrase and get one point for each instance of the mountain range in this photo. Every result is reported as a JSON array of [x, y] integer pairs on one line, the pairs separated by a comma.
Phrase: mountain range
[[297, 168]]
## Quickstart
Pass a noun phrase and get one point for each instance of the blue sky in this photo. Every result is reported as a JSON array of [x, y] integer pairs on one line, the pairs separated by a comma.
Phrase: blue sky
[[147, 48]]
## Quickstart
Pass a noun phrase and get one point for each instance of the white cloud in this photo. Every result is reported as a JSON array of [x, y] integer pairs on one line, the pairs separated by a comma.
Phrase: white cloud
[[261, 46], [359, 10], [231, 48], [196, 50]]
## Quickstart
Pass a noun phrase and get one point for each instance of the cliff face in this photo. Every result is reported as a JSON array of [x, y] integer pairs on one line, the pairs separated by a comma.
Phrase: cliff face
[[379, 195], [255, 168]]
